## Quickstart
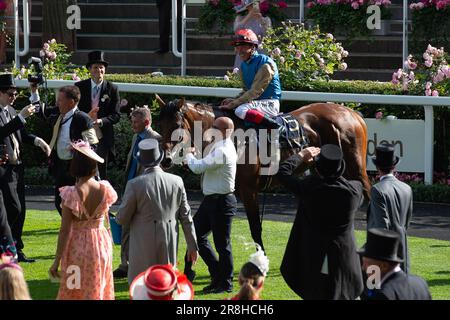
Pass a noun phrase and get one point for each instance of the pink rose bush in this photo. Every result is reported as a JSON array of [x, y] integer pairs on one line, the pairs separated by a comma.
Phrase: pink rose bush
[[303, 55], [431, 73]]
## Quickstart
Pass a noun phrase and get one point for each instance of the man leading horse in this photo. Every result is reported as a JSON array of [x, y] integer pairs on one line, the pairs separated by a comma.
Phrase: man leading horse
[[260, 99]]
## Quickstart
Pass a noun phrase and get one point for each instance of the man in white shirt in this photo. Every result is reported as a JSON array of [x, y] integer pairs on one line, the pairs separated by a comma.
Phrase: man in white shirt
[[391, 201], [218, 206], [69, 124]]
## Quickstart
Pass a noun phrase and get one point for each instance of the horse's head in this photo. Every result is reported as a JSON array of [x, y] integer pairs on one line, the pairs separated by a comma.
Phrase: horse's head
[[172, 125]]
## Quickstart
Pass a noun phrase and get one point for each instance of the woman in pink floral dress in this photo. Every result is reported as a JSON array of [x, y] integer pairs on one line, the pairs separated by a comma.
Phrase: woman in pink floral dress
[[84, 244]]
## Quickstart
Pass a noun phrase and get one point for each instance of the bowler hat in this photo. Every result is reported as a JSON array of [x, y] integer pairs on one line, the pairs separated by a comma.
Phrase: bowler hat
[[7, 81], [384, 156], [161, 282], [150, 153], [96, 57], [330, 161], [382, 244]]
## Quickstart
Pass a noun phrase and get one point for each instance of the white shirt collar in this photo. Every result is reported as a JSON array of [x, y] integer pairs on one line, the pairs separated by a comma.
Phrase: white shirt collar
[[387, 275], [387, 175], [93, 84], [70, 113]]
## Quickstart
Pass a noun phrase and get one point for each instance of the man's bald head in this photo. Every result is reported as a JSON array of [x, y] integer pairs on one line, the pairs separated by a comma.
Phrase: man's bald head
[[225, 125]]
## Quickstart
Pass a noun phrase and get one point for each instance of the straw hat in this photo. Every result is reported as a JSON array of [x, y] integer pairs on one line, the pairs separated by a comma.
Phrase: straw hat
[[85, 148]]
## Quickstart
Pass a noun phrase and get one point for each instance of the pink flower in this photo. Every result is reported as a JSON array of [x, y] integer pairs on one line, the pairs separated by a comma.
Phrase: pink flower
[[52, 55], [46, 46], [75, 77], [276, 51], [428, 85], [420, 5], [309, 5], [435, 93], [226, 78], [282, 4], [123, 102], [395, 81], [214, 3], [428, 92], [440, 5], [343, 66], [282, 59], [264, 7], [53, 41], [298, 54], [355, 5], [429, 62], [379, 115], [344, 53], [235, 70], [2, 6]]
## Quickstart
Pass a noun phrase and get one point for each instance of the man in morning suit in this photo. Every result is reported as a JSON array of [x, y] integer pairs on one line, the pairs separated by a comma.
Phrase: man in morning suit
[[12, 136], [386, 280], [69, 124], [100, 99], [391, 201], [320, 261], [141, 121]]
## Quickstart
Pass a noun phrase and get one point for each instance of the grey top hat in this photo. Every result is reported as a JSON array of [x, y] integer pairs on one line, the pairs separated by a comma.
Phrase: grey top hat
[[150, 153]]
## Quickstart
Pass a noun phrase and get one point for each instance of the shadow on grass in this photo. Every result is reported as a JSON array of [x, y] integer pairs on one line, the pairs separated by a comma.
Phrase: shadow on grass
[[49, 257], [442, 272], [40, 232], [440, 246], [438, 282], [43, 289]]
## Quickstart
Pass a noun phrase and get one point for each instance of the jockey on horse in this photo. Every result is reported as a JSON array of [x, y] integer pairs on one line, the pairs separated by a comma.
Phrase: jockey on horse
[[260, 99]]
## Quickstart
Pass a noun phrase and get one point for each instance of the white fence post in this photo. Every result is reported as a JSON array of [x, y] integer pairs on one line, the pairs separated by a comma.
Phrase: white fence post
[[429, 144]]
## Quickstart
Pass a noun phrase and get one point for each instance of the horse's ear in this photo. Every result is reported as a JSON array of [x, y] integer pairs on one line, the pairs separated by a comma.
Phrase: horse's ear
[[181, 103], [160, 101]]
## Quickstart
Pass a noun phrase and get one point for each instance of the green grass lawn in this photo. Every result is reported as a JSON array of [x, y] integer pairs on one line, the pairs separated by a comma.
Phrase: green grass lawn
[[430, 259]]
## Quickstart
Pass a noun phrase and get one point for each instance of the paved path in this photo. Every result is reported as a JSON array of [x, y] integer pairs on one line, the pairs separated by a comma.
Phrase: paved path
[[429, 220]]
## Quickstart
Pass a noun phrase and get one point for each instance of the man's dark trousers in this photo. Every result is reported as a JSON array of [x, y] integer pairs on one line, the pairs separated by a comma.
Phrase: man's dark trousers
[[215, 214]]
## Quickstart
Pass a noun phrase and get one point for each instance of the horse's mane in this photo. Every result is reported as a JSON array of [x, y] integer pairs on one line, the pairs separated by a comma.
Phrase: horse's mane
[[170, 110]]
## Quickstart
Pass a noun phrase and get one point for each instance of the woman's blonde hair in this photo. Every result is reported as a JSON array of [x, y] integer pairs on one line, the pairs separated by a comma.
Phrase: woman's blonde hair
[[13, 285]]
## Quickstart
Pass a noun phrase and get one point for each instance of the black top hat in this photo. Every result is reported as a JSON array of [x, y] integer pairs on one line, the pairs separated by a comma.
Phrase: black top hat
[[96, 57], [7, 81], [150, 153], [384, 156], [382, 245], [330, 161]]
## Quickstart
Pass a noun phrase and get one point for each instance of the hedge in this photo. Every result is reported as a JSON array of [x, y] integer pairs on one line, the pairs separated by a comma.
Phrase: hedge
[[34, 158]]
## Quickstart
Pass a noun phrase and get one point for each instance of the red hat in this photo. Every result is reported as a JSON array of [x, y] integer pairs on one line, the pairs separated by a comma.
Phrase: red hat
[[245, 36], [161, 282]]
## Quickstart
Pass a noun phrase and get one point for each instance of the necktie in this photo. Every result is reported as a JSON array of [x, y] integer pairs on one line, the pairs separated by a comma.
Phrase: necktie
[[15, 143], [95, 92], [55, 132], [133, 164]]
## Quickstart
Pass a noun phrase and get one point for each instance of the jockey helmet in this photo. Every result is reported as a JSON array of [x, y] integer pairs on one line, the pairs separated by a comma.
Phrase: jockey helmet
[[245, 36]]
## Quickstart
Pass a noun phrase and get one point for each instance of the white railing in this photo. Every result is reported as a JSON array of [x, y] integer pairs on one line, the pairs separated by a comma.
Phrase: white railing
[[26, 31], [420, 101]]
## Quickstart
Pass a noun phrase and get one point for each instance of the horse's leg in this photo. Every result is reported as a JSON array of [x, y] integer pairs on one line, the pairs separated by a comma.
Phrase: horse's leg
[[247, 181]]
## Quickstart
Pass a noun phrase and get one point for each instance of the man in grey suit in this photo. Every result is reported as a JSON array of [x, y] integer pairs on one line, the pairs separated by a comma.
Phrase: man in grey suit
[[152, 206], [391, 202], [141, 121]]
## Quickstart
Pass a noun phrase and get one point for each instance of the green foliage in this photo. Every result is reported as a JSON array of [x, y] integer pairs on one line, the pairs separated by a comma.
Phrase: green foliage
[[56, 64], [433, 193], [216, 17], [303, 55], [430, 26], [340, 18]]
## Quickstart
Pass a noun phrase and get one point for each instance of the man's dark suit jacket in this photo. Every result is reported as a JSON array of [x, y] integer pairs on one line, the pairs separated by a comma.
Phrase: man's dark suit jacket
[[400, 286], [109, 108]]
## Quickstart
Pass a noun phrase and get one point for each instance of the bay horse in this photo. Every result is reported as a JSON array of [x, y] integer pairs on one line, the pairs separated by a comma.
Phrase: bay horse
[[323, 123]]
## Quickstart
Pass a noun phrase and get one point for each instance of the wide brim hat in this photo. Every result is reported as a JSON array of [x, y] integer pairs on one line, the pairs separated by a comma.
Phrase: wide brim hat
[[384, 156], [96, 57], [150, 153], [330, 161], [7, 81], [85, 148], [381, 244], [244, 5], [140, 289]]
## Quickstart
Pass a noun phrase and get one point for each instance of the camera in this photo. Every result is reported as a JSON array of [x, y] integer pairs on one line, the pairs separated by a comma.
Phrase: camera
[[37, 106], [38, 76]]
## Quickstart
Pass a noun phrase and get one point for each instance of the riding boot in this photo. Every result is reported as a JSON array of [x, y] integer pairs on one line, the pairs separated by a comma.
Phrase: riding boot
[[261, 119]]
